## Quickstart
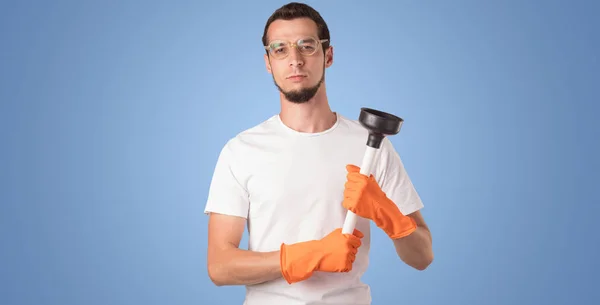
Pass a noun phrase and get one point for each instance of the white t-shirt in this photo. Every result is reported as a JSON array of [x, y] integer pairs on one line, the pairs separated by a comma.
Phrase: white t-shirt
[[289, 186]]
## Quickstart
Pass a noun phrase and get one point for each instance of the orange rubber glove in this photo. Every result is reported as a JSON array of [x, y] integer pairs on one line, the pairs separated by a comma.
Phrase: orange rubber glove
[[364, 197], [335, 252]]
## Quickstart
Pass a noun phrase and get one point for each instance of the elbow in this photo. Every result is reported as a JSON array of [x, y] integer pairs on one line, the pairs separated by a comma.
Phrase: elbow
[[422, 266], [216, 275], [424, 263]]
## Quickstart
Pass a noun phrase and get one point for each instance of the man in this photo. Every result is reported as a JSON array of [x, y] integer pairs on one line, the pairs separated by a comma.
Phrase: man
[[292, 179]]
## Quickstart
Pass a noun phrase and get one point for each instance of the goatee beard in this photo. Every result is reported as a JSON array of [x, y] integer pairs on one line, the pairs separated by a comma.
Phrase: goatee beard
[[303, 95]]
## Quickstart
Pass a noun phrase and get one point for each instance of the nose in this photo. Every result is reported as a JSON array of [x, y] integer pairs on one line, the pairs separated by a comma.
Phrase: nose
[[295, 58]]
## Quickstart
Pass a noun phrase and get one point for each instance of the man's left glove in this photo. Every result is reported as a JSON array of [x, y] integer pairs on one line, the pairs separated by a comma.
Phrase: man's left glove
[[364, 197]]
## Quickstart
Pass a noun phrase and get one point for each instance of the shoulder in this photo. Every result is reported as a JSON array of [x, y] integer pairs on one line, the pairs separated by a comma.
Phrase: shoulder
[[352, 125], [250, 142], [245, 139], [351, 131], [354, 128]]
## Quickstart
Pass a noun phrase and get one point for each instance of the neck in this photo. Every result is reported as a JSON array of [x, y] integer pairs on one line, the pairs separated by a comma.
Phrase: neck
[[310, 117]]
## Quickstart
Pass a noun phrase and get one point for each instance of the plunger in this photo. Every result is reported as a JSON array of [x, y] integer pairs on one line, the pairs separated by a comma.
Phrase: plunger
[[379, 124]]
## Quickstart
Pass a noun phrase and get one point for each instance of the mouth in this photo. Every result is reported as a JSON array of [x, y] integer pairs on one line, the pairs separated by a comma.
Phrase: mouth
[[296, 77]]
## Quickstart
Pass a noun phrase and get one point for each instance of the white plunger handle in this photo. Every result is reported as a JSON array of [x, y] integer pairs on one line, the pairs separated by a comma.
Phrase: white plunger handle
[[365, 169]]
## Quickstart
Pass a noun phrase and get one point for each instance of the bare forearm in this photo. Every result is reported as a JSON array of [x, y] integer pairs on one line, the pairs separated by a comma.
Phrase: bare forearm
[[242, 267], [415, 249]]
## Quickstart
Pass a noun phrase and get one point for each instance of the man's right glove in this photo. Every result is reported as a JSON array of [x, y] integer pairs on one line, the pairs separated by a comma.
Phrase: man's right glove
[[335, 252]]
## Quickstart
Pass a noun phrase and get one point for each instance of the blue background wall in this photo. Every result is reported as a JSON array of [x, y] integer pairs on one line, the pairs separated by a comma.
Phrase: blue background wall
[[112, 115]]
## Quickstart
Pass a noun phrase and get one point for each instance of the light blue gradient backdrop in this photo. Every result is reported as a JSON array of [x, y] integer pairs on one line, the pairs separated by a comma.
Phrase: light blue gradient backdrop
[[113, 113]]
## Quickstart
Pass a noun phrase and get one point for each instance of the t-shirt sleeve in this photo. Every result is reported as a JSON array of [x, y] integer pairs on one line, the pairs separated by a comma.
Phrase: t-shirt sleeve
[[394, 180], [227, 194]]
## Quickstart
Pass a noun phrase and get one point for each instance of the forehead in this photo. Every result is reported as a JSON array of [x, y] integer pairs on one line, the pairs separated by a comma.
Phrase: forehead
[[292, 29]]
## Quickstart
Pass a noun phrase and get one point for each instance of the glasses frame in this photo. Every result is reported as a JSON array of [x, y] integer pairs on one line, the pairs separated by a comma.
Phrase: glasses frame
[[295, 45]]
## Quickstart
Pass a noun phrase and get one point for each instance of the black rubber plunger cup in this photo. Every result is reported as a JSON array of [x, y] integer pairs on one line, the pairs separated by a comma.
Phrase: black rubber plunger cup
[[379, 124]]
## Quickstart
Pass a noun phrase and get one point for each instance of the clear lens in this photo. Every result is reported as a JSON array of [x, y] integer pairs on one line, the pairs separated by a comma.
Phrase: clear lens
[[307, 46], [281, 49]]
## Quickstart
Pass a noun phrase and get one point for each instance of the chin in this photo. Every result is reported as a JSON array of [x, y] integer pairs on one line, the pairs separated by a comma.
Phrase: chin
[[297, 88], [299, 93]]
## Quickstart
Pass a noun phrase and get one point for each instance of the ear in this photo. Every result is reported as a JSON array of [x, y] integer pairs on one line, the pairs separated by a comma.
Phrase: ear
[[329, 57], [268, 64]]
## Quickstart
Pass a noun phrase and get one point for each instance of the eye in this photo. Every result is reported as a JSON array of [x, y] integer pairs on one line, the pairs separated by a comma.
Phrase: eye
[[308, 44], [280, 49]]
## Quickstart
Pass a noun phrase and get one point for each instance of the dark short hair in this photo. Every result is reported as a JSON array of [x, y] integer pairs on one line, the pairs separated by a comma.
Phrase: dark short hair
[[294, 10]]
